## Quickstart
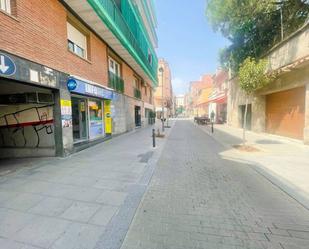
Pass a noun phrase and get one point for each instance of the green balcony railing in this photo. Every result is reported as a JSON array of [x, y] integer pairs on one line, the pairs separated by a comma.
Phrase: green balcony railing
[[137, 93], [115, 82], [129, 33]]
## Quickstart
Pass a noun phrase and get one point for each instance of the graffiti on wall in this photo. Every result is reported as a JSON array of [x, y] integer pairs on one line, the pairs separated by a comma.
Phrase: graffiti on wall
[[28, 127]]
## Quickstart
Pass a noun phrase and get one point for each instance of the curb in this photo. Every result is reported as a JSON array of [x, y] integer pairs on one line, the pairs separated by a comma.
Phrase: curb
[[293, 192], [116, 231]]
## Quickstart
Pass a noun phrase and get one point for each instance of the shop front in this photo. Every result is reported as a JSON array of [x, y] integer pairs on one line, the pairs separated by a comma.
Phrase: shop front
[[91, 119]]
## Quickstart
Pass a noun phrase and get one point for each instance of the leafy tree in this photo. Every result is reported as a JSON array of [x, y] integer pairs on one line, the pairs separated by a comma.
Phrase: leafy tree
[[254, 26], [252, 76]]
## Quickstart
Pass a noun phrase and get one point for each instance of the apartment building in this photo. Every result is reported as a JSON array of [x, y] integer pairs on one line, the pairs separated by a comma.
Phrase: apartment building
[[217, 100], [164, 92], [73, 73], [197, 101]]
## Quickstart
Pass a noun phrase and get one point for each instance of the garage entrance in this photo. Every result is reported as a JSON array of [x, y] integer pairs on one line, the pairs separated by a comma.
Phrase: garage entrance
[[285, 113], [26, 120]]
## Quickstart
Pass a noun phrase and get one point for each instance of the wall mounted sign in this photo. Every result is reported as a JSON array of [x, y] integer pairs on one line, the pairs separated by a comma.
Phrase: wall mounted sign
[[107, 117], [66, 113], [72, 84], [85, 88], [7, 65], [18, 68]]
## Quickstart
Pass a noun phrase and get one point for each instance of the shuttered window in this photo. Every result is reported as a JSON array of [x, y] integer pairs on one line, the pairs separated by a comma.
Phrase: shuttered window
[[77, 41], [114, 67]]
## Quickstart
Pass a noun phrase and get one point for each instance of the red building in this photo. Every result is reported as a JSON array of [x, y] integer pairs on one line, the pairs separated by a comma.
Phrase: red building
[[218, 98]]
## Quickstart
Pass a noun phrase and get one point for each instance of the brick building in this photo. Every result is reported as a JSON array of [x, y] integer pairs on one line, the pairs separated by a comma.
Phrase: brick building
[[217, 100], [73, 73], [164, 87], [197, 100]]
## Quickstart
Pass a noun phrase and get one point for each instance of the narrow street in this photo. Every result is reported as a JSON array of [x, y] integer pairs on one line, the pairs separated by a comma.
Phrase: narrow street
[[196, 199], [181, 195]]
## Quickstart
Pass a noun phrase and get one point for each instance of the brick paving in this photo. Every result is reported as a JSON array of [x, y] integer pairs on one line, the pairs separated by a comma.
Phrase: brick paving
[[198, 199]]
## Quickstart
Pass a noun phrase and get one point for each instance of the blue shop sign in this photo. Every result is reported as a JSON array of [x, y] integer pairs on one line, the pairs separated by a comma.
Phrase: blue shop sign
[[82, 87], [7, 65], [72, 84]]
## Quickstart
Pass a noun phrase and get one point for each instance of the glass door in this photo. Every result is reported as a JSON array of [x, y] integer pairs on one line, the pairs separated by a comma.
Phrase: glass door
[[96, 127], [79, 118]]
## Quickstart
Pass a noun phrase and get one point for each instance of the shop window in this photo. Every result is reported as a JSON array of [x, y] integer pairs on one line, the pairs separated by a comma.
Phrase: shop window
[[77, 41], [113, 66], [5, 5], [95, 118]]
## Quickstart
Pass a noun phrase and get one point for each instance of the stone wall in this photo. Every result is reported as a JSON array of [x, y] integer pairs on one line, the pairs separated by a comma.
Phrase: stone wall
[[123, 113], [289, 51], [292, 49]]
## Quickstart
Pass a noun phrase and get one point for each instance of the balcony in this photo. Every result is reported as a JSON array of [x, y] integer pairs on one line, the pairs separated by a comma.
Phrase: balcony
[[115, 82], [124, 30], [121, 27], [137, 93]]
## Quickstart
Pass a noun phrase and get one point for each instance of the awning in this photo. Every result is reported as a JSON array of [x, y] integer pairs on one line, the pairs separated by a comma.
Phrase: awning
[[219, 100]]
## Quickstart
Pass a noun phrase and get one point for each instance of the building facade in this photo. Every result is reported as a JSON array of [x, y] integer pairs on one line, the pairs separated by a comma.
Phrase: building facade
[[73, 73], [197, 100], [217, 100], [164, 92], [281, 108], [180, 105]]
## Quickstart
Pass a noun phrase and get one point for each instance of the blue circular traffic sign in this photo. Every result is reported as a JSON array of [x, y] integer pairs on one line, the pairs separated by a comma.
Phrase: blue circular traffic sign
[[7, 65]]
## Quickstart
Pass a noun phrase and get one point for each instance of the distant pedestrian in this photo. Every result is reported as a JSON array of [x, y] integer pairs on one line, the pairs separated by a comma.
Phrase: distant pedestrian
[[212, 116]]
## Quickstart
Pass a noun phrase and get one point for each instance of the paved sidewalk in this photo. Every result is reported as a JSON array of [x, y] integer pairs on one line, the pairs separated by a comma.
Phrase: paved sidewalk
[[284, 161], [199, 200], [85, 201]]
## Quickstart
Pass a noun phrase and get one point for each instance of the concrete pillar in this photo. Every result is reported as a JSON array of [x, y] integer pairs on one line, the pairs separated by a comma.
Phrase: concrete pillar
[[306, 129], [259, 113], [63, 135]]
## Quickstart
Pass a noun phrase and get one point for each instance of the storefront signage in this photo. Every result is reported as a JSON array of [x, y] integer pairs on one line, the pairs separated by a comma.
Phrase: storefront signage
[[90, 90], [17, 68], [7, 65], [71, 84], [66, 113], [107, 117]]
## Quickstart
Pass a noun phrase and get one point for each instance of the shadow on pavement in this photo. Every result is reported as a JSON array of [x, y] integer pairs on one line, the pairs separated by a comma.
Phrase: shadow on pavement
[[267, 141]]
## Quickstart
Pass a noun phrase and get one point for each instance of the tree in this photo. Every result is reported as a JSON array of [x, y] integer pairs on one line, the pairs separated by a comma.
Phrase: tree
[[254, 26], [252, 76]]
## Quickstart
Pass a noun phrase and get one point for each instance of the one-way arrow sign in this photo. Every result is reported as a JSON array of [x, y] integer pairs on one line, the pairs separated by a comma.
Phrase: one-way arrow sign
[[7, 65]]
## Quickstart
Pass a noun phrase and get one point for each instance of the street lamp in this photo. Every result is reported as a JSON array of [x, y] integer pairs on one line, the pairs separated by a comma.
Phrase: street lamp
[[161, 70]]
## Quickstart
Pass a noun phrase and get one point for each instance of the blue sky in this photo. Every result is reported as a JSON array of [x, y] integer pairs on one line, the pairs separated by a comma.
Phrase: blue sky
[[187, 41]]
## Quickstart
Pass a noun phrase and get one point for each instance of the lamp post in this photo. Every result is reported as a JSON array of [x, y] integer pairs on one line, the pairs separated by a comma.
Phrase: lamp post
[[161, 70]]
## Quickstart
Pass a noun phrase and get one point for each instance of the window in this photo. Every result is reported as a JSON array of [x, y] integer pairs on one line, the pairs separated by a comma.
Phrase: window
[[150, 58], [77, 41], [5, 5], [146, 90], [136, 83], [113, 66]]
